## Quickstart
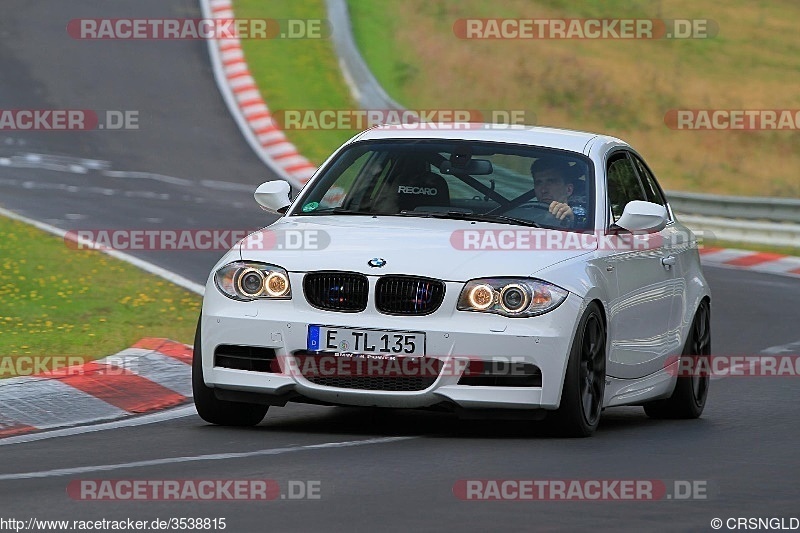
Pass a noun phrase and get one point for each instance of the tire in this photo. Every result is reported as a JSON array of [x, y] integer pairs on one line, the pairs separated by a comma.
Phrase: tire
[[689, 397], [585, 379], [216, 411]]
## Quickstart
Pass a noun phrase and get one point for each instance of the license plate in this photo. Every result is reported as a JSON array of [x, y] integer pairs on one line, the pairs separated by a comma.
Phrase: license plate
[[365, 341]]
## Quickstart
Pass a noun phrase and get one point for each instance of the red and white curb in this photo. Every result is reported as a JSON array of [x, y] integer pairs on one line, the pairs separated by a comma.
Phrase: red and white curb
[[785, 265], [152, 375], [244, 100]]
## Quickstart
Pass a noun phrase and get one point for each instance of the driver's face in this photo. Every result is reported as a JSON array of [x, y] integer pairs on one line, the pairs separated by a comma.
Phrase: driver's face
[[551, 187]]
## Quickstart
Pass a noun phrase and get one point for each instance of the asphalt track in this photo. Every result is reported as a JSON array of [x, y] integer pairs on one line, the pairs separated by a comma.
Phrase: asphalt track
[[185, 130], [397, 469]]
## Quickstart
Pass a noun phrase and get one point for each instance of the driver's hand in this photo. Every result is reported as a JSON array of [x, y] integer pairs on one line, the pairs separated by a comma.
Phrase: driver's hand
[[562, 211]]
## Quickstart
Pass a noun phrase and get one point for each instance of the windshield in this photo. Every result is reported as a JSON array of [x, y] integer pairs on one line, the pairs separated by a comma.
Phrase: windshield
[[483, 181]]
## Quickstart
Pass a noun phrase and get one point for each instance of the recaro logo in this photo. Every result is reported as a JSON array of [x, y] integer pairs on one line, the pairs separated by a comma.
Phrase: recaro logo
[[428, 191]]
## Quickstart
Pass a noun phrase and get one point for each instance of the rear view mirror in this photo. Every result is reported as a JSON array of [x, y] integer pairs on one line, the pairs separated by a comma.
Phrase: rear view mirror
[[474, 167], [274, 196], [643, 216]]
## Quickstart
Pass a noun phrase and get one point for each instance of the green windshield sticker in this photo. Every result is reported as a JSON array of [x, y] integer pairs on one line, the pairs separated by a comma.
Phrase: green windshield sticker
[[310, 206]]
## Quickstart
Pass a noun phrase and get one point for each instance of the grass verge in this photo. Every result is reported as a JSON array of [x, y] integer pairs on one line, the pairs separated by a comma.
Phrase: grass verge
[[620, 87], [57, 301], [297, 74]]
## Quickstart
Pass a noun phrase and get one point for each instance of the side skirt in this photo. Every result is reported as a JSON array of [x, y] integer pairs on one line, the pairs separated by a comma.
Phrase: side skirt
[[637, 391]]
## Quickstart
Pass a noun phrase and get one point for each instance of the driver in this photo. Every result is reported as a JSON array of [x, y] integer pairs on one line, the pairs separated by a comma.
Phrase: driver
[[553, 182]]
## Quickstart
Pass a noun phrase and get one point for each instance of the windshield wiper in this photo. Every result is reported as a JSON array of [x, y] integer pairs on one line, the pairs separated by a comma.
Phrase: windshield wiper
[[461, 215], [503, 219]]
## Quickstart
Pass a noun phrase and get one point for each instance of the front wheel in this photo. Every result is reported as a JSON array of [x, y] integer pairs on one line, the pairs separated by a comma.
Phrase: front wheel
[[216, 411], [689, 397], [585, 379]]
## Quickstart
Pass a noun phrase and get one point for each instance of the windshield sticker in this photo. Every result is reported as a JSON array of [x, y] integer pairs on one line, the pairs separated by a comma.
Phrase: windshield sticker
[[310, 206]]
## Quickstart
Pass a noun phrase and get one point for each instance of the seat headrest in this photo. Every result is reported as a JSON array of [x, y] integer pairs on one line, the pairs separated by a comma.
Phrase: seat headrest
[[422, 189]]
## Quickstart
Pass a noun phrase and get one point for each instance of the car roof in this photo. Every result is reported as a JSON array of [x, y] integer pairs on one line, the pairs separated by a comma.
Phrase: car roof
[[572, 140]]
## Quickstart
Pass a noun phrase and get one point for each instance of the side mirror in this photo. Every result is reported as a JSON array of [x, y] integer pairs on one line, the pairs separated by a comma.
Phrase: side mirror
[[643, 216], [274, 196]]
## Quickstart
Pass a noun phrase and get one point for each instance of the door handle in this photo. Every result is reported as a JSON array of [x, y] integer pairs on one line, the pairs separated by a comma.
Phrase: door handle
[[668, 261]]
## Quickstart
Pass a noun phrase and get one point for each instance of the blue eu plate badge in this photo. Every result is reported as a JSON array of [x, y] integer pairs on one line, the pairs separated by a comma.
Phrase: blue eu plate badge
[[313, 338]]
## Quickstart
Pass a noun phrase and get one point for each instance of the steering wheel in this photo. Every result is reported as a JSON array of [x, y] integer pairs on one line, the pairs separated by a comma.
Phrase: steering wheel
[[535, 204], [547, 218], [532, 203]]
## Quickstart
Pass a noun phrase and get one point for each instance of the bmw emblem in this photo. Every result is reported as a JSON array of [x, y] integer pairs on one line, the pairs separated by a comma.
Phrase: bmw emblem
[[376, 262]]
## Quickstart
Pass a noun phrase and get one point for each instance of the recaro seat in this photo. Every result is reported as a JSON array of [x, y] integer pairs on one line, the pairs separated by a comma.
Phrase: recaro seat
[[426, 189]]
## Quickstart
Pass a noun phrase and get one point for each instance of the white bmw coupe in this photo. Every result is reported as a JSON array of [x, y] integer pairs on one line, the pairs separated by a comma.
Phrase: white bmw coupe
[[490, 271]]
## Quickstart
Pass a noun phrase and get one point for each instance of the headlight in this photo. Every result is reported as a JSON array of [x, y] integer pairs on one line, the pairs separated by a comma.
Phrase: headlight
[[248, 281], [512, 297]]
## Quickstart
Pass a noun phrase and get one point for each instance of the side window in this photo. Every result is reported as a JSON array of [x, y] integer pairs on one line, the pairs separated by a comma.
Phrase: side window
[[623, 185], [651, 190]]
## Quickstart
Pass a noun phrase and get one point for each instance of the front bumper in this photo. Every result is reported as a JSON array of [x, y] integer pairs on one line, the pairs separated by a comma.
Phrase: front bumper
[[455, 337]]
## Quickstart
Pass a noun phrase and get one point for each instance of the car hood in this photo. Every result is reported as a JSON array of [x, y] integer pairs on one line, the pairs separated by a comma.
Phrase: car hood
[[414, 246]]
